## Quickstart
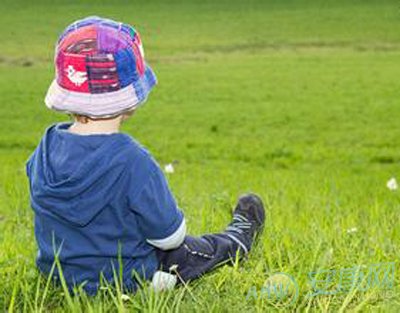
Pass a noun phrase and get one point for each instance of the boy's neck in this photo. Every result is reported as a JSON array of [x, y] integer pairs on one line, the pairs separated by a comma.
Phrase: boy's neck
[[92, 127]]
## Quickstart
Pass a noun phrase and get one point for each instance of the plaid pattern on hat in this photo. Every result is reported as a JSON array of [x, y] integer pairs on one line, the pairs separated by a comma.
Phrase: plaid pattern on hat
[[100, 69]]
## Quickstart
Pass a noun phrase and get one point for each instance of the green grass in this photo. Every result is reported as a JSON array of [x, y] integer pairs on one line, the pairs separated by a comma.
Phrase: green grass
[[294, 100]]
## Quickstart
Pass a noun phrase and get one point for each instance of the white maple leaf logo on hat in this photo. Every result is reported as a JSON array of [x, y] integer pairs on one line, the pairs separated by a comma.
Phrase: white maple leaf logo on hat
[[76, 77]]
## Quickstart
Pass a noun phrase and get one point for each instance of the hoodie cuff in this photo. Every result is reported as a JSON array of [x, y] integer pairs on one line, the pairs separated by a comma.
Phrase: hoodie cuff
[[172, 241]]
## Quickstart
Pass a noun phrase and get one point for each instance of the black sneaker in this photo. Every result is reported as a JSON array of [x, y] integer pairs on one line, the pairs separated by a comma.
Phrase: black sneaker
[[248, 221]]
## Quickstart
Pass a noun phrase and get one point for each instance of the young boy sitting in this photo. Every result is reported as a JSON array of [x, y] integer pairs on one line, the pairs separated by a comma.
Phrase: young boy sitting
[[102, 204]]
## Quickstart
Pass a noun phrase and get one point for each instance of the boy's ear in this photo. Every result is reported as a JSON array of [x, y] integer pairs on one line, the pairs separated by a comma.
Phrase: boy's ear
[[127, 115], [80, 118]]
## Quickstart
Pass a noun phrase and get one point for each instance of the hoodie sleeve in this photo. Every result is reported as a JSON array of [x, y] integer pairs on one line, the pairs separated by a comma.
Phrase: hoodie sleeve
[[160, 220], [28, 164]]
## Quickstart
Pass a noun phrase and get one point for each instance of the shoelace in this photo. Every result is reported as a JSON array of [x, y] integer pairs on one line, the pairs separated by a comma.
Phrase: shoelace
[[239, 224]]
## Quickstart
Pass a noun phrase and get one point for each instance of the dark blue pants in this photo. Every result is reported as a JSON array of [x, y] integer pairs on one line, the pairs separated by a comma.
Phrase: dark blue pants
[[198, 255]]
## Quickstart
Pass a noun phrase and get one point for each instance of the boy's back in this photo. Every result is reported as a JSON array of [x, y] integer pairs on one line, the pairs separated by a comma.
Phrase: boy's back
[[91, 191]]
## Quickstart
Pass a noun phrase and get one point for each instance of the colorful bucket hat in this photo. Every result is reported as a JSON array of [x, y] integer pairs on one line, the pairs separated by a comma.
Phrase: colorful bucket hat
[[100, 69]]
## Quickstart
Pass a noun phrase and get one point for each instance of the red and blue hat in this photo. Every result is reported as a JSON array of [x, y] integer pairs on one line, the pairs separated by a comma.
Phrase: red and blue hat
[[100, 69]]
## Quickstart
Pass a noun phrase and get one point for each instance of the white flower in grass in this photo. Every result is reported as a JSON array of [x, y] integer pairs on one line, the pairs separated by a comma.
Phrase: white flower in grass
[[125, 297], [169, 168], [352, 230], [392, 184]]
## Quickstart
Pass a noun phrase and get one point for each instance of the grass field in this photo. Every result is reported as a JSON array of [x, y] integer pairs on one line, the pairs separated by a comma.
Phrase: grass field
[[295, 100]]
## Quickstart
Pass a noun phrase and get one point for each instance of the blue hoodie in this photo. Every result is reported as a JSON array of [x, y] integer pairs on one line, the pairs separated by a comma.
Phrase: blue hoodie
[[97, 199]]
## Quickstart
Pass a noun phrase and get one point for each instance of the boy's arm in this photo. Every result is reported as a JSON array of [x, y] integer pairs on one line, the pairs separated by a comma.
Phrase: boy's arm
[[159, 219]]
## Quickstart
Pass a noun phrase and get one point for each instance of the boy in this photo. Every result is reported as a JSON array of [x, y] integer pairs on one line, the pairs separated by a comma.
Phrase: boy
[[100, 200]]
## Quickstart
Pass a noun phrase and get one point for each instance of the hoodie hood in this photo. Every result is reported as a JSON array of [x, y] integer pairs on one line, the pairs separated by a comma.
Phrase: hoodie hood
[[73, 177]]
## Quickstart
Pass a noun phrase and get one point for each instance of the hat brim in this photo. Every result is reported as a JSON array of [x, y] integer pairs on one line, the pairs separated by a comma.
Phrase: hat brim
[[102, 104]]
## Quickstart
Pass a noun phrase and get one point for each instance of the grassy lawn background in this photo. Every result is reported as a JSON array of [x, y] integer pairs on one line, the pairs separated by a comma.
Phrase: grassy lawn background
[[295, 100]]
